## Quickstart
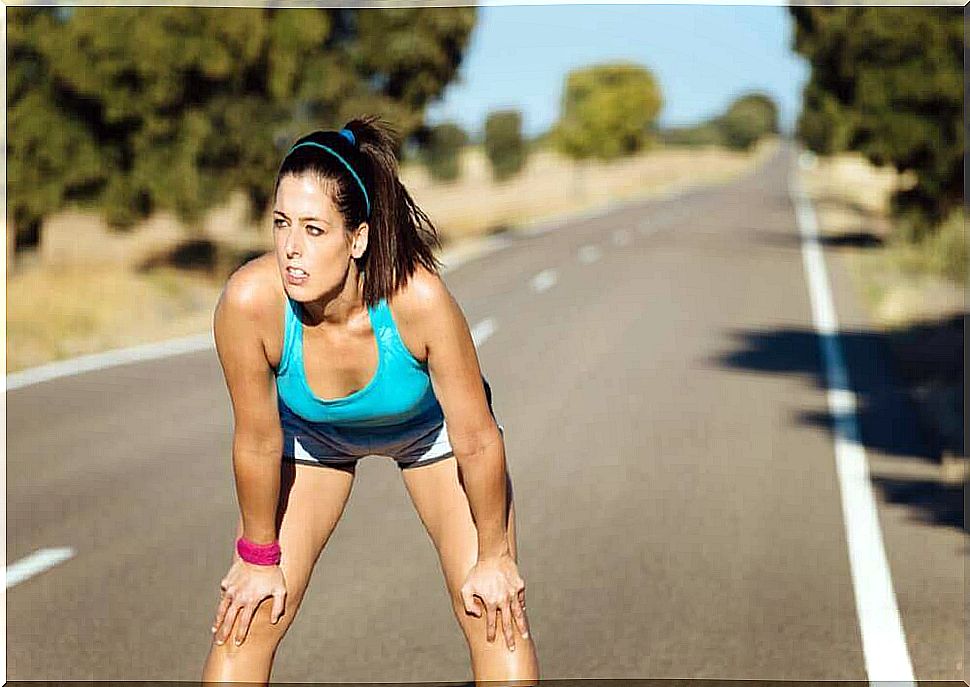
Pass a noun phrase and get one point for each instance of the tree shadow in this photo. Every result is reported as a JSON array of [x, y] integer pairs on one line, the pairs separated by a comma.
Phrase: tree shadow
[[192, 254], [928, 501], [893, 419], [854, 239], [200, 255]]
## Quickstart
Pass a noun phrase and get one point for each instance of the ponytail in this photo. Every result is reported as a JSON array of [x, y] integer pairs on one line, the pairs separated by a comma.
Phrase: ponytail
[[401, 234]]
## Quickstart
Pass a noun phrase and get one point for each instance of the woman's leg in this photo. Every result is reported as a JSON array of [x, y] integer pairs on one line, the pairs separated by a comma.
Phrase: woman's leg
[[312, 498], [443, 507]]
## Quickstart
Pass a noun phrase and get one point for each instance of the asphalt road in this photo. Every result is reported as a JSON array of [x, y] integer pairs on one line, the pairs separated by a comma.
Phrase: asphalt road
[[679, 514]]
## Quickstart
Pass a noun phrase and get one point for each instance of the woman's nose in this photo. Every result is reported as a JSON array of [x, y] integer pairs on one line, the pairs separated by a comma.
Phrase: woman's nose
[[292, 248]]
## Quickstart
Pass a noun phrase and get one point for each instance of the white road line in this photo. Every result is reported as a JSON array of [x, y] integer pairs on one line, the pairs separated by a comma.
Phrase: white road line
[[883, 639], [36, 563], [621, 237], [456, 257], [483, 330], [544, 280], [589, 253], [96, 361]]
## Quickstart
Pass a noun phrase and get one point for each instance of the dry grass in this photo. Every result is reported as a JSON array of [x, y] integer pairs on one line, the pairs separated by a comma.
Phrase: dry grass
[[551, 185], [61, 312], [901, 283]]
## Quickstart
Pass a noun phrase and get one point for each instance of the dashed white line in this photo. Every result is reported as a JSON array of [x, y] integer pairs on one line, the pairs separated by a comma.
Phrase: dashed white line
[[483, 330], [883, 640], [544, 280], [621, 237], [589, 253], [36, 563]]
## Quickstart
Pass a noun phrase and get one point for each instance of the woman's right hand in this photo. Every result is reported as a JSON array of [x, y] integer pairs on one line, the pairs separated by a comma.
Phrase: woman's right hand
[[243, 588]]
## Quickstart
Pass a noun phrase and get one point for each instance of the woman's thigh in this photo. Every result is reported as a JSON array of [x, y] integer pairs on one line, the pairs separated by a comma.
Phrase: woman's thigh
[[312, 499], [442, 505]]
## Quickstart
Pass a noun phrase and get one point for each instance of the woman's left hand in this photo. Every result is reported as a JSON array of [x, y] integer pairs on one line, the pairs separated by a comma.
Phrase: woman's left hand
[[496, 583]]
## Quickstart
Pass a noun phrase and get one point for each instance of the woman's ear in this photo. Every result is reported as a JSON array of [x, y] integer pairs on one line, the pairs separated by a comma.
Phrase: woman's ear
[[360, 241]]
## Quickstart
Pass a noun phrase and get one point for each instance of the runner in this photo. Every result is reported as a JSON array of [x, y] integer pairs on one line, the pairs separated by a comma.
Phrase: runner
[[342, 343]]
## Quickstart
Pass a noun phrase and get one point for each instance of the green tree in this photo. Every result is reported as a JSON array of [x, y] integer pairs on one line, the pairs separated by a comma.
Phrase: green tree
[[175, 107], [442, 151], [504, 145], [607, 111], [747, 119], [888, 82]]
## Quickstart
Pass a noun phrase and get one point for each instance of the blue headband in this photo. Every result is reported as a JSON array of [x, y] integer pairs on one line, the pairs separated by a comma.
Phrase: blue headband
[[337, 155]]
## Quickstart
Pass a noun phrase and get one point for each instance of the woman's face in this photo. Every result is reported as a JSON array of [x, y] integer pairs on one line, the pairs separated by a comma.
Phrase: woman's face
[[309, 234]]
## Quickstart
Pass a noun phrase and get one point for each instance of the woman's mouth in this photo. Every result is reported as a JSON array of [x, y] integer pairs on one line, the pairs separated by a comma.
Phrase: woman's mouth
[[295, 275]]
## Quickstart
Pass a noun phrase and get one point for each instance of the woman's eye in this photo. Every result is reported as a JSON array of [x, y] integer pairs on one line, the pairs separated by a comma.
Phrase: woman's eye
[[277, 222], [318, 231]]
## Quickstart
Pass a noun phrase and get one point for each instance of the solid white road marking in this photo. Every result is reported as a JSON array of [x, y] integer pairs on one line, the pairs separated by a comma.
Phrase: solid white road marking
[[544, 280], [883, 639], [36, 563], [588, 254], [456, 257], [483, 330], [97, 361]]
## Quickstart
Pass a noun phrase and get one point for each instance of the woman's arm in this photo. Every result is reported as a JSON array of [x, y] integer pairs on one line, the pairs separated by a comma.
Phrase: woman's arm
[[257, 435], [457, 380]]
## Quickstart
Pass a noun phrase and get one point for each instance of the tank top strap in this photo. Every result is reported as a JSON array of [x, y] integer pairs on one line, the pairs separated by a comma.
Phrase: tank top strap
[[381, 317], [291, 334]]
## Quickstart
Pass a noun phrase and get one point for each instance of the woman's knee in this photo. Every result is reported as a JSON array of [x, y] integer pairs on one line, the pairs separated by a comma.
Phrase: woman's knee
[[262, 634]]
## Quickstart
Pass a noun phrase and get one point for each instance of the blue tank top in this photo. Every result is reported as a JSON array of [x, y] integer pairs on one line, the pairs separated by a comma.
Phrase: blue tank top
[[399, 392]]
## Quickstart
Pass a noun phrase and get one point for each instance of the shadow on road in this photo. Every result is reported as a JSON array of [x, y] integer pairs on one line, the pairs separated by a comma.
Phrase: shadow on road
[[853, 240], [909, 396]]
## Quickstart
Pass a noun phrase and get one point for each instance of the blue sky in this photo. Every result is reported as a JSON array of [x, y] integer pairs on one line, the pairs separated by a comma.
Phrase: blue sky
[[703, 57]]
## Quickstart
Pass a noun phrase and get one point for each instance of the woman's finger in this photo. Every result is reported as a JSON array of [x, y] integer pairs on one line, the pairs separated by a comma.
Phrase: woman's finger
[[221, 612], [518, 610], [507, 624], [227, 622], [279, 600], [491, 611], [242, 627], [468, 599]]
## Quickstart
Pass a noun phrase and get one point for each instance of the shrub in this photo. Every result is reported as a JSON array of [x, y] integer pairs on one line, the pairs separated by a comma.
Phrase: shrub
[[503, 143]]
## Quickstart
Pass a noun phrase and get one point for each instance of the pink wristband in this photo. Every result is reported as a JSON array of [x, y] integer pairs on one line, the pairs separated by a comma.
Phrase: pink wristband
[[258, 554]]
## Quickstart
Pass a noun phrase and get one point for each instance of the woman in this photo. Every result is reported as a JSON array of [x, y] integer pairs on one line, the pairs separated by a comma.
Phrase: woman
[[346, 343]]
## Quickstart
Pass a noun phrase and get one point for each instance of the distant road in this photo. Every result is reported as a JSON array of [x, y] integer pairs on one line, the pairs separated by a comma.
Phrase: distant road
[[661, 386]]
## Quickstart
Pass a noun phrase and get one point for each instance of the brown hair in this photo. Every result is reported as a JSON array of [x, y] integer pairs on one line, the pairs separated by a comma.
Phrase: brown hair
[[400, 234]]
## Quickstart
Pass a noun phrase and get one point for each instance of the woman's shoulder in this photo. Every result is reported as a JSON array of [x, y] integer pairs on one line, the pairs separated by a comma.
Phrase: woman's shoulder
[[423, 293], [420, 309], [257, 294], [255, 285]]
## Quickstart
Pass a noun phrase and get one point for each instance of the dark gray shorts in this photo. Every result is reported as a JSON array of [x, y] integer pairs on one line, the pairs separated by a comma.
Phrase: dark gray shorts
[[421, 442]]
